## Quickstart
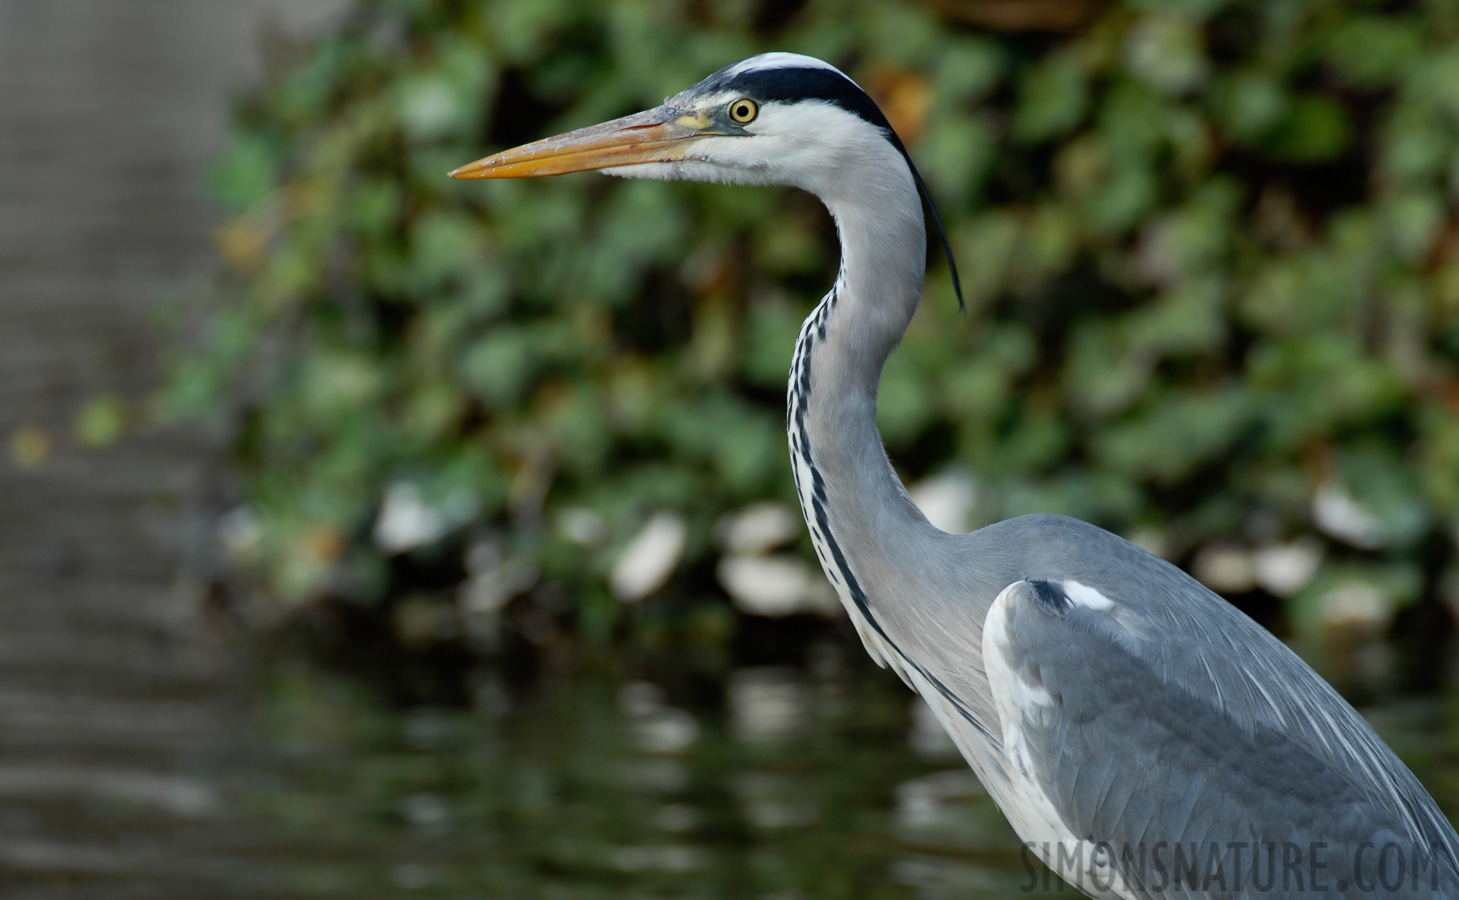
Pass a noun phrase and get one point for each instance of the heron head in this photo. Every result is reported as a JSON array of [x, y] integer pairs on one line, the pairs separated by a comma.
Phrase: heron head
[[776, 118]]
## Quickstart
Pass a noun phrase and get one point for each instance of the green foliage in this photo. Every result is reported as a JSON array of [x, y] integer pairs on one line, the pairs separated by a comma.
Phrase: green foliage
[[1208, 250]]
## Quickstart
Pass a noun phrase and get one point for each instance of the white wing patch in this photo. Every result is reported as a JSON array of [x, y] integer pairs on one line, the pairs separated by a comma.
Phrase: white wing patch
[[1084, 595]]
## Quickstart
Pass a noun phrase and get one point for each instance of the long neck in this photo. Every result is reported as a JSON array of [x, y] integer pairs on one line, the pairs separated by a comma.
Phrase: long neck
[[900, 578], [862, 523]]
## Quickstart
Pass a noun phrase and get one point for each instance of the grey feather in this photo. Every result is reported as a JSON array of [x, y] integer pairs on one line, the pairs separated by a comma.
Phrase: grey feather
[[1161, 731]]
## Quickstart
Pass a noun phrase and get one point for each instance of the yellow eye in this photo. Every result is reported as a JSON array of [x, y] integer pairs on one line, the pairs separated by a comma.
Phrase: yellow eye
[[744, 110]]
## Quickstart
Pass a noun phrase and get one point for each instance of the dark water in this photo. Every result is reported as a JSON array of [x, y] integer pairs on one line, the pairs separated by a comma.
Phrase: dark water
[[144, 754], [797, 785]]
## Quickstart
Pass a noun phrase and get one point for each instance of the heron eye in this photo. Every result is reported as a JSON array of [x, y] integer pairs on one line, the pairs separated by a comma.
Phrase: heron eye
[[744, 110]]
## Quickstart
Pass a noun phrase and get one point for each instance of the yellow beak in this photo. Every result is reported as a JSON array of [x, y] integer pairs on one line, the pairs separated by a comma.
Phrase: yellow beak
[[657, 135]]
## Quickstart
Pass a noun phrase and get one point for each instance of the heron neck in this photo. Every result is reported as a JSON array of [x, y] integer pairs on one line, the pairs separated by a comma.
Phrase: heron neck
[[855, 506]]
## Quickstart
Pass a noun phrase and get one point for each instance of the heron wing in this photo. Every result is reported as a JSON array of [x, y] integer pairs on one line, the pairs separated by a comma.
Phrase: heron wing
[[1131, 722]]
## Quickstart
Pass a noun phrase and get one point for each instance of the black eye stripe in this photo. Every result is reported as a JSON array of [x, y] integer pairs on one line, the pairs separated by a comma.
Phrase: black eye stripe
[[788, 85]]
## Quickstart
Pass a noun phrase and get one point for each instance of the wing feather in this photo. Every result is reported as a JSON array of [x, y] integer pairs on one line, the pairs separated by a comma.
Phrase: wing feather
[[1128, 730]]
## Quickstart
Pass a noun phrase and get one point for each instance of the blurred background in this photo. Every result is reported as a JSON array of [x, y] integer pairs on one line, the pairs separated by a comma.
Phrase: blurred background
[[370, 534]]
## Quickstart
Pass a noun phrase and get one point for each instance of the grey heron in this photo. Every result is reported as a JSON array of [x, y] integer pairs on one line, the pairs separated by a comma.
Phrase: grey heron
[[1143, 736]]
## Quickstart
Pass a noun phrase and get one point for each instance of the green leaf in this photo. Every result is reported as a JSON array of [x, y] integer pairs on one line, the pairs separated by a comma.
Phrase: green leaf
[[101, 422], [1372, 50], [1167, 52], [1313, 129], [245, 173], [1053, 96]]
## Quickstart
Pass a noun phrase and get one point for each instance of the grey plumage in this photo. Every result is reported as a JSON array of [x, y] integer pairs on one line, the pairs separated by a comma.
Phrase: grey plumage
[[1111, 704], [1176, 718]]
